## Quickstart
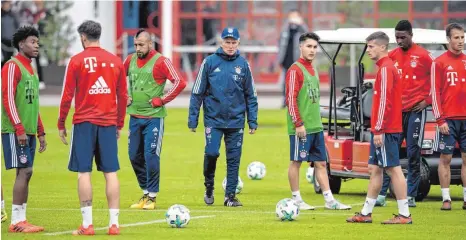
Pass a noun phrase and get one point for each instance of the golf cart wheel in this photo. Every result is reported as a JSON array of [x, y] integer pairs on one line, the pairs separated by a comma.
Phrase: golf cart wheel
[[424, 183], [334, 181], [317, 188]]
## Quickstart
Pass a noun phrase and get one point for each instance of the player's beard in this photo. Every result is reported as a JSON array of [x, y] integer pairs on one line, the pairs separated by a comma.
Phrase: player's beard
[[142, 55]]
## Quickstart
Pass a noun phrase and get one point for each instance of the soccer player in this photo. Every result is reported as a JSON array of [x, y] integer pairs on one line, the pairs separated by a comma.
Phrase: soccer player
[[448, 90], [413, 63], [99, 80], [148, 72], [21, 122], [386, 131], [225, 86], [304, 123]]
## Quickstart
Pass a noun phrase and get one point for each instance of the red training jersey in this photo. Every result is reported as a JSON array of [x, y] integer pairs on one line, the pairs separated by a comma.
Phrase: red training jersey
[[98, 79], [448, 87], [11, 75], [386, 103], [163, 70], [414, 67], [293, 83]]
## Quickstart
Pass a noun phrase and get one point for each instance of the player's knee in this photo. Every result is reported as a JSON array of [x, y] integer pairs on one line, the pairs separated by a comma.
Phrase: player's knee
[[445, 159], [295, 164], [134, 156], [374, 170], [25, 173], [320, 164], [463, 156], [212, 155]]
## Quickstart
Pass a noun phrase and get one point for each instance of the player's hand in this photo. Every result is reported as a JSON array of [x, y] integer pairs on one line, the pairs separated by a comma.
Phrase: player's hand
[[22, 139], [42, 143], [444, 129], [378, 140], [301, 132], [192, 129], [129, 101], [62, 134], [252, 131], [420, 106], [118, 134], [156, 102]]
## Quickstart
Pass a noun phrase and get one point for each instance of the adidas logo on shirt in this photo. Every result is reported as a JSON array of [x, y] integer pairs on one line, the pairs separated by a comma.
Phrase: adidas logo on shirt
[[100, 87], [449, 68], [217, 70]]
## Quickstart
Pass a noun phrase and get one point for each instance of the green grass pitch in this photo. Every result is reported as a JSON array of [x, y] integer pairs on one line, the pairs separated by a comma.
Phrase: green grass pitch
[[53, 201]]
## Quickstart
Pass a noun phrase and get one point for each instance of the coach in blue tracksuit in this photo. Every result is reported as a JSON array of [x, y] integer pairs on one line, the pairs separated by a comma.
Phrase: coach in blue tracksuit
[[225, 86]]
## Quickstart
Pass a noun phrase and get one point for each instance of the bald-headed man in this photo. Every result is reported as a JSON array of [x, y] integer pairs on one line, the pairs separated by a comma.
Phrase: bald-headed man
[[148, 72]]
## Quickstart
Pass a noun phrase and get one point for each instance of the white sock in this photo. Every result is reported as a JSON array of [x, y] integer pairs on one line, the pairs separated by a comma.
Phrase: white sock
[[152, 194], [403, 207], [3, 204], [368, 206], [296, 196], [87, 216], [16, 213], [145, 192], [23, 212], [114, 217], [328, 196], [445, 194], [464, 193]]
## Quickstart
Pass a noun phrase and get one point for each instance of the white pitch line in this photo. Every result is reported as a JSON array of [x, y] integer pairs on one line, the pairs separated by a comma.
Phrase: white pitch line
[[125, 225], [336, 212]]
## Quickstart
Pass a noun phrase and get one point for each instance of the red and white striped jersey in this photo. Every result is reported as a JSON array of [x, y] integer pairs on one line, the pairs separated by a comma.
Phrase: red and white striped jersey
[[386, 104]]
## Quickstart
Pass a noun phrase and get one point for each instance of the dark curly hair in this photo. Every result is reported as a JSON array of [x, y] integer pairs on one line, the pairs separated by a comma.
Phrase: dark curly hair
[[22, 34], [404, 25], [91, 29]]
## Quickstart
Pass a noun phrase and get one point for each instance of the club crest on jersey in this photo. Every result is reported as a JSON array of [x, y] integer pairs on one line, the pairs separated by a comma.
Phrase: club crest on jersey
[[238, 69], [441, 146], [464, 63], [303, 154], [23, 159], [414, 61]]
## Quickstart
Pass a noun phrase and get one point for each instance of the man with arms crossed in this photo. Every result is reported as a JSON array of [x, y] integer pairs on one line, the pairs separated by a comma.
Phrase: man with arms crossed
[[304, 123], [413, 63], [448, 92], [99, 80], [386, 131]]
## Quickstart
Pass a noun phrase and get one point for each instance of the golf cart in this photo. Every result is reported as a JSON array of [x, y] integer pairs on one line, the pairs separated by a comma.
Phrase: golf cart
[[347, 119]]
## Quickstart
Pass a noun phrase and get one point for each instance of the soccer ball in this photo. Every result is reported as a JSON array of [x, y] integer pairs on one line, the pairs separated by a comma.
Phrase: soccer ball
[[310, 175], [287, 209], [177, 216], [239, 187], [256, 171]]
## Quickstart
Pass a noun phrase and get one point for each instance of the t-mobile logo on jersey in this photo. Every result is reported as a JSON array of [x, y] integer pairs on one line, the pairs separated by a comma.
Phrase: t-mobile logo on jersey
[[452, 78], [90, 63]]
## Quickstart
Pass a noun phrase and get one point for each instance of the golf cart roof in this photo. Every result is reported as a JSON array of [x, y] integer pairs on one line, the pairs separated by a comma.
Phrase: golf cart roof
[[359, 35]]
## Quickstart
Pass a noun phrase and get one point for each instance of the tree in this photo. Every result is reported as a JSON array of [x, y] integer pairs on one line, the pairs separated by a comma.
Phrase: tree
[[58, 32], [354, 12]]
